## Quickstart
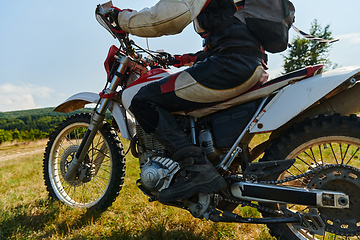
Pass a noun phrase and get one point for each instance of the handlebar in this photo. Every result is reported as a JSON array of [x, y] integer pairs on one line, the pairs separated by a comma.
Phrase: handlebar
[[163, 58]]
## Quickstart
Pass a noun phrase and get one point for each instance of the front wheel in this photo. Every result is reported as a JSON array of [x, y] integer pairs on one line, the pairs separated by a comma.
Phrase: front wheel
[[101, 175], [315, 143]]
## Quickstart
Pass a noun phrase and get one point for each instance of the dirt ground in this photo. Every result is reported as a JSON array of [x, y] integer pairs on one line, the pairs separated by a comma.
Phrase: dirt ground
[[15, 150]]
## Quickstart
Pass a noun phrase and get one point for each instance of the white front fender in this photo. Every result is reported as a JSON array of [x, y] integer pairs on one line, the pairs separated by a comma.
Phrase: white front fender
[[78, 101], [295, 98]]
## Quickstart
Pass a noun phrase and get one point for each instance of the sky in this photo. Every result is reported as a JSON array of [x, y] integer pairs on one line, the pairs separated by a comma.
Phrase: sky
[[50, 50]]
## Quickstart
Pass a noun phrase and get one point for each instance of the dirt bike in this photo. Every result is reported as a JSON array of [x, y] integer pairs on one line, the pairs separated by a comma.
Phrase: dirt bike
[[306, 184]]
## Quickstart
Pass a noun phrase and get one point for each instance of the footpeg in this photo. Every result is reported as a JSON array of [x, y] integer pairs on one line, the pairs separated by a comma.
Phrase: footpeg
[[310, 221]]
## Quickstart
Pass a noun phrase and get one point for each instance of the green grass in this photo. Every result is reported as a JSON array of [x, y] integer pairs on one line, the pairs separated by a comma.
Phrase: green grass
[[27, 213]]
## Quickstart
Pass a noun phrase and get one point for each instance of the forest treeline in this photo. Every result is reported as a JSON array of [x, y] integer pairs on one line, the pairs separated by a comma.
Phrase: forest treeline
[[30, 125]]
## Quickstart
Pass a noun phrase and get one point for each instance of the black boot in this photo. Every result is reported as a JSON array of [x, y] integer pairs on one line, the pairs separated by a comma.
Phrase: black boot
[[197, 174]]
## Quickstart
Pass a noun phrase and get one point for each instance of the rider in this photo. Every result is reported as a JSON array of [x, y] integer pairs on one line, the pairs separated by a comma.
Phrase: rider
[[231, 63]]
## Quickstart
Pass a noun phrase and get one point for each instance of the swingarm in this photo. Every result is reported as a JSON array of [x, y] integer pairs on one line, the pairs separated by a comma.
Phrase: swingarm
[[289, 195]]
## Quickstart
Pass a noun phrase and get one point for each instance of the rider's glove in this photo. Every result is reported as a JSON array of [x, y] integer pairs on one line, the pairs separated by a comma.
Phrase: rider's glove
[[184, 60], [113, 19]]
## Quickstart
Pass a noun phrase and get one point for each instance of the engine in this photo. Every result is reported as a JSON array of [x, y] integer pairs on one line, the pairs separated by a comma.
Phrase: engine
[[147, 146], [157, 169], [158, 172]]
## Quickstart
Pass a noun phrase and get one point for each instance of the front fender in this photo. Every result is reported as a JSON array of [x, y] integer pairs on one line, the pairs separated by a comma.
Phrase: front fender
[[78, 101]]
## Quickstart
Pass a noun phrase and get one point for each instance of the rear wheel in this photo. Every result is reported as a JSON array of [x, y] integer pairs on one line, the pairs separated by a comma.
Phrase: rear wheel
[[101, 175], [315, 143]]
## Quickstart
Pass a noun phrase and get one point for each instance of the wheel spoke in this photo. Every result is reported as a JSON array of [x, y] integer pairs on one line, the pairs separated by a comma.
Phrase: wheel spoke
[[321, 156], [332, 149], [312, 158], [77, 136], [83, 195], [101, 152], [74, 194], [69, 139], [347, 163], [90, 193], [98, 180], [106, 179], [104, 149], [341, 153], [347, 148], [331, 142], [103, 165], [100, 141], [305, 162], [105, 170], [61, 147], [98, 187], [312, 153], [301, 172]]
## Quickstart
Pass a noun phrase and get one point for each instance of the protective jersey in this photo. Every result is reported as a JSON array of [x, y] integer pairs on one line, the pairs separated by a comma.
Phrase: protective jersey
[[167, 17], [170, 17]]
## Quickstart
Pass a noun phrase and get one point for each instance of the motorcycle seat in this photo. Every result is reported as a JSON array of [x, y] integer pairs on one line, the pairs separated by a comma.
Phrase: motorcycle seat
[[261, 91]]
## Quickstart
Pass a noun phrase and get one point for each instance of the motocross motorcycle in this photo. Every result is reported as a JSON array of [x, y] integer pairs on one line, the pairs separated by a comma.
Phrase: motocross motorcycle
[[304, 179]]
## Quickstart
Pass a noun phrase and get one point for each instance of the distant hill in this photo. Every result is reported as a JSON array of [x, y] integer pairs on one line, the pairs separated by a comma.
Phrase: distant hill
[[38, 112], [43, 119], [29, 125]]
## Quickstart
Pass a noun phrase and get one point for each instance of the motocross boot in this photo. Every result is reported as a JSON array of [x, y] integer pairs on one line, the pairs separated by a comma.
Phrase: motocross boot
[[196, 174]]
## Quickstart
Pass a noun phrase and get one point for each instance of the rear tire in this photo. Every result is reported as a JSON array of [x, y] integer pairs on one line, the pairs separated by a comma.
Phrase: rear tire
[[105, 158], [313, 143]]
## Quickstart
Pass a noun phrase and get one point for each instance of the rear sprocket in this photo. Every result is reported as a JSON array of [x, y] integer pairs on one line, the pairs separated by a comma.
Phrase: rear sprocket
[[346, 179]]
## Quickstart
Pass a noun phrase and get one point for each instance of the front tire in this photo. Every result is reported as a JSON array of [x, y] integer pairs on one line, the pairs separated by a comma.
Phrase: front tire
[[103, 167], [314, 143]]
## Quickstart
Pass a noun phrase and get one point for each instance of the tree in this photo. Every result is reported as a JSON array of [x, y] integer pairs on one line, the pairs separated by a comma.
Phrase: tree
[[305, 52], [5, 136]]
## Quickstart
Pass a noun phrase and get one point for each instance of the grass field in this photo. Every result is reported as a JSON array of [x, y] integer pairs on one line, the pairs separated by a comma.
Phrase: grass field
[[27, 213]]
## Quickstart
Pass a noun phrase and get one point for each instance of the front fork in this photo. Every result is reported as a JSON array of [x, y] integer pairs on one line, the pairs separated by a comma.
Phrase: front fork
[[95, 123]]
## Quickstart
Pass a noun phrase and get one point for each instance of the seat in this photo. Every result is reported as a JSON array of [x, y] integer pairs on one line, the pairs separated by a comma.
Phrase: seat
[[261, 91]]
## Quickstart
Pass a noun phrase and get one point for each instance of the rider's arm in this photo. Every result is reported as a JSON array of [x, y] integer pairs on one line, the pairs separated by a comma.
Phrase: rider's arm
[[167, 17], [190, 58]]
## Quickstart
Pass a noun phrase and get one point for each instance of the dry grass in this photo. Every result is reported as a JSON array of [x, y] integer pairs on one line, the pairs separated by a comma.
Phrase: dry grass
[[27, 213]]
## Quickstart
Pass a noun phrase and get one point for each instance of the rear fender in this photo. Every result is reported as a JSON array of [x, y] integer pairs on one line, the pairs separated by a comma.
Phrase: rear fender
[[78, 101], [297, 98]]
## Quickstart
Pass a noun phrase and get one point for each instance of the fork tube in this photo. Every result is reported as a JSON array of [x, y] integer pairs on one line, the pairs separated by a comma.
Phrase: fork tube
[[95, 123], [230, 156]]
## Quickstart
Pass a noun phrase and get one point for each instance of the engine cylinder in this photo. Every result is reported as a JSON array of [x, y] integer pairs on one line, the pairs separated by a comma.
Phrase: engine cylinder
[[147, 145]]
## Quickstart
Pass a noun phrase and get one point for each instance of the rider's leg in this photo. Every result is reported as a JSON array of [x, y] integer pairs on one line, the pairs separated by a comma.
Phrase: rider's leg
[[206, 83]]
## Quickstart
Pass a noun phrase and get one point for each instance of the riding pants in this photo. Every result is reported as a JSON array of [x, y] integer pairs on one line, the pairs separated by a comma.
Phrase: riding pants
[[220, 77]]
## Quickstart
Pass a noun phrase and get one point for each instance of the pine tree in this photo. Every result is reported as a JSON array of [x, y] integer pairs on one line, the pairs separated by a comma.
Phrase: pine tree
[[305, 52]]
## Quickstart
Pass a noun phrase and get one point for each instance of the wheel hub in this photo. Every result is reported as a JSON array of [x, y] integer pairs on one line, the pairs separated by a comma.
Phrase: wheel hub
[[66, 158], [346, 179]]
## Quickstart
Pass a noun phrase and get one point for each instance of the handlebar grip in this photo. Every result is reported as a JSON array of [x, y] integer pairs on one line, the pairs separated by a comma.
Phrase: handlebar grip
[[105, 8]]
